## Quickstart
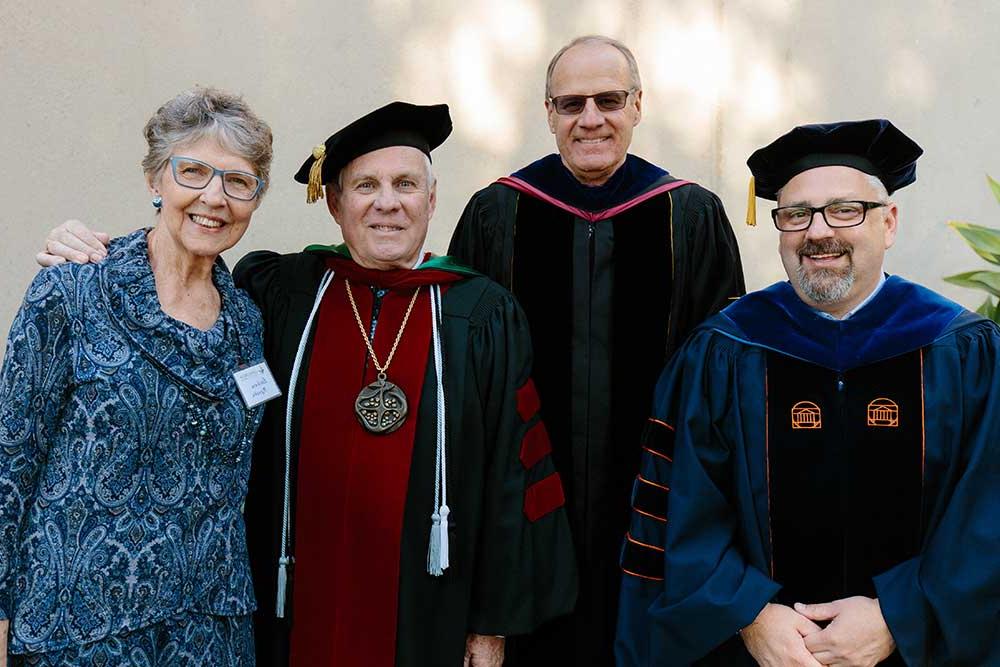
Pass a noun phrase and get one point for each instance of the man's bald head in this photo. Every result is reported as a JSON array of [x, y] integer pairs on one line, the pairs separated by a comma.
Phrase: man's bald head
[[633, 66]]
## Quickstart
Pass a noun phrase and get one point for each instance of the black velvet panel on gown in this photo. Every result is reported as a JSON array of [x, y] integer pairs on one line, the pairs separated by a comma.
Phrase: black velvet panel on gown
[[595, 368], [845, 455]]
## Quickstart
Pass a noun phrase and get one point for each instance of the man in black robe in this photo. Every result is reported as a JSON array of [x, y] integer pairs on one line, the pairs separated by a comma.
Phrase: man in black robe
[[820, 478], [403, 506], [614, 261]]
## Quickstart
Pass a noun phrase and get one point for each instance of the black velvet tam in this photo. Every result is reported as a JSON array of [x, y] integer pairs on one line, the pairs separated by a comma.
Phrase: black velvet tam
[[396, 124], [876, 147]]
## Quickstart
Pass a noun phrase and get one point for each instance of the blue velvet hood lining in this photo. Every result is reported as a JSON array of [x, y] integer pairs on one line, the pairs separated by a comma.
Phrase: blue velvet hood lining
[[901, 318]]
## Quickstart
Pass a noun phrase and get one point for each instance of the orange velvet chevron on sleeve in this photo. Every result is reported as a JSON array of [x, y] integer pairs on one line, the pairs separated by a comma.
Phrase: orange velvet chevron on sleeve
[[642, 551]]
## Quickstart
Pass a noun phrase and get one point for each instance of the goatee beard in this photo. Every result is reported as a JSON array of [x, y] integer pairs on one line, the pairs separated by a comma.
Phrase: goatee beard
[[825, 286]]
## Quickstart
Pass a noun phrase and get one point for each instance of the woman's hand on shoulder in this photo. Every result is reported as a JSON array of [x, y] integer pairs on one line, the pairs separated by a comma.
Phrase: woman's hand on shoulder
[[75, 242]]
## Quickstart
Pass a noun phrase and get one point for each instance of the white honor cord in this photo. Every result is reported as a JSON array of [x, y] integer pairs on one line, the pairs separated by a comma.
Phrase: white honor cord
[[286, 513], [437, 550]]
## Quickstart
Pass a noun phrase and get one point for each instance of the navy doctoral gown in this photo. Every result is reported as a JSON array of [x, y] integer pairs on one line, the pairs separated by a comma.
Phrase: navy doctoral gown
[[698, 572]]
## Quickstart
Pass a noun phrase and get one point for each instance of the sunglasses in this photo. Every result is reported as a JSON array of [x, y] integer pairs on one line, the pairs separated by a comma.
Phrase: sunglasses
[[571, 105]]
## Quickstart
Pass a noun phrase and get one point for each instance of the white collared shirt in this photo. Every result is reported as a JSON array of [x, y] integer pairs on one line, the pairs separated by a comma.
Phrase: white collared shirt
[[858, 307]]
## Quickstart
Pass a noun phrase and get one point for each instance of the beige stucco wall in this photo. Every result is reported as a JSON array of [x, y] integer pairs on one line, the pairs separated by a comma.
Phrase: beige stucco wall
[[721, 78]]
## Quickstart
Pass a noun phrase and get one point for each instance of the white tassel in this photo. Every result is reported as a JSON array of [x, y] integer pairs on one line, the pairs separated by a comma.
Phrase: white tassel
[[434, 549], [444, 537], [279, 610], [437, 551]]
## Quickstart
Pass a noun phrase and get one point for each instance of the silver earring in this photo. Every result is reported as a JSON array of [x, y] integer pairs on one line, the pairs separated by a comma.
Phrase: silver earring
[[157, 202]]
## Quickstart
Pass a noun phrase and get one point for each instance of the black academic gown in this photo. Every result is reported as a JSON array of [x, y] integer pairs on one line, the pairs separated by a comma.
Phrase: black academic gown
[[508, 573], [796, 458], [612, 279]]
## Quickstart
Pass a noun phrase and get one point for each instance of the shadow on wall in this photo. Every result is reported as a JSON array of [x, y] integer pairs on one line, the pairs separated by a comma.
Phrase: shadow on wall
[[720, 79], [689, 53]]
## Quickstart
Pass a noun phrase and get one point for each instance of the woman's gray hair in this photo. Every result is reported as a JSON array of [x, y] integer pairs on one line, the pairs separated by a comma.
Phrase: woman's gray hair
[[208, 112], [633, 66]]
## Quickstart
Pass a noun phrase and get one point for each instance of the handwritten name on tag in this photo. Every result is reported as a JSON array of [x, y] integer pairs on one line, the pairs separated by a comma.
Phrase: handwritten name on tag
[[256, 384]]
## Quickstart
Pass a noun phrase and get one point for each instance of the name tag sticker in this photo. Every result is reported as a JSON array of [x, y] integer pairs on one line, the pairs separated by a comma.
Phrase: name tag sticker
[[256, 384]]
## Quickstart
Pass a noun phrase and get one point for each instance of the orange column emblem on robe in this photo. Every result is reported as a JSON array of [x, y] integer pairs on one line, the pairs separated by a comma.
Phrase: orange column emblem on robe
[[883, 412], [807, 415]]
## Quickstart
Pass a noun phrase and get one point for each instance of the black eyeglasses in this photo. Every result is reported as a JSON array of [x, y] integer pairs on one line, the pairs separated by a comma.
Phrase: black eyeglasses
[[195, 174], [609, 100], [835, 214]]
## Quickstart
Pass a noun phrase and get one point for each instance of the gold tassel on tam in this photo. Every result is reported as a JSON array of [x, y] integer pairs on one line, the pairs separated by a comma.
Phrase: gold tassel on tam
[[314, 190], [751, 206]]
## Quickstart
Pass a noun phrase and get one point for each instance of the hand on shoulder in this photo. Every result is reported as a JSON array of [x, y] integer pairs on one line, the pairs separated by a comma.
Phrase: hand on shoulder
[[75, 242]]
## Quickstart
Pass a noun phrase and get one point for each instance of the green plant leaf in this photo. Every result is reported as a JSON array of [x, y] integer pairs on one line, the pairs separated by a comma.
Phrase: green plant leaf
[[987, 281], [994, 186], [983, 240], [989, 310]]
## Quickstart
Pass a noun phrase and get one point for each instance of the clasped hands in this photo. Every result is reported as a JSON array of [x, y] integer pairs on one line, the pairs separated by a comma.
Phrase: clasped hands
[[857, 635]]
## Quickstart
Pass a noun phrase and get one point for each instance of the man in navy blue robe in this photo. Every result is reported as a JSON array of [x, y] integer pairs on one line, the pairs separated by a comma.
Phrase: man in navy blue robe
[[614, 261], [821, 476]]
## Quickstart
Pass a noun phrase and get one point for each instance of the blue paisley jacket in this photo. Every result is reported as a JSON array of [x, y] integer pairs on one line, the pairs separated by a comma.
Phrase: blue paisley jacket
[[124, 455]]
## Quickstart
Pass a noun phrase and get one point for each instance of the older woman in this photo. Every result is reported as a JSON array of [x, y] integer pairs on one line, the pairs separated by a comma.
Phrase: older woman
[[124, 441]]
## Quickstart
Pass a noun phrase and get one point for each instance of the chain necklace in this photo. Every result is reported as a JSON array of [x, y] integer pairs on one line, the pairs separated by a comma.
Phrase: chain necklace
[[381, 406]]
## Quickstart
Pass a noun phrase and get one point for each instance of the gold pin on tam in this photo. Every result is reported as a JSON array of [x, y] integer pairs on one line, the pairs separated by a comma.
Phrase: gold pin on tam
[[752, 205], [314, 190]]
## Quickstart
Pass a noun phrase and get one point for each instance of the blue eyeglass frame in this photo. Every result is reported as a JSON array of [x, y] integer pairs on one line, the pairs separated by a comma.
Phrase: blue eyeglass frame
[[215, 172]]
